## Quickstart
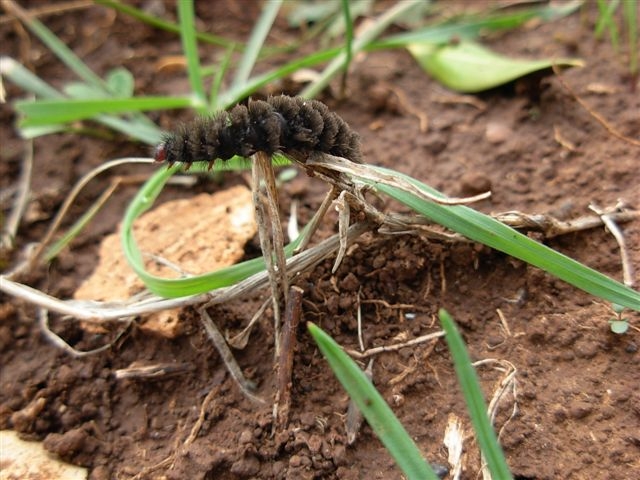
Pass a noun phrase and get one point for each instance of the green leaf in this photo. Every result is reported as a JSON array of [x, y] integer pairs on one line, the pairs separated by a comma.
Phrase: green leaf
[[373, 407], [469, 67], [120, 82], [619, 326]]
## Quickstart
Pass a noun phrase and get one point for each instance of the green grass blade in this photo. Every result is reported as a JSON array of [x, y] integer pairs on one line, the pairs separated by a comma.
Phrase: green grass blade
[[484, 229], [220, 71], [190, 47], [373, 407], [348, 43], [172, 288], [64, 53], [256, 41], [471, 28], [470, 67], [25, 79], [630, 12], [474, 398], [44, 112], [235, 94]]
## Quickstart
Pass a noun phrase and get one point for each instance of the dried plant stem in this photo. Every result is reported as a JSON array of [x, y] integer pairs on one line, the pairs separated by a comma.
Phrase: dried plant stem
[[599, 118], [612, 226], [395, 346], [292, 315], [98, 312], [271, 240], [20, 203], [227, 357]]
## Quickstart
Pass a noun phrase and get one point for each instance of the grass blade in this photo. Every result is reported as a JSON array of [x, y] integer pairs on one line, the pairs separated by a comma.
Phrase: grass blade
[[474, 398], [64, 53], [25, 79], [173, 288], [373, 407], [484, 229], [190, 48], [45, 112], [258, 36], [468, 29]]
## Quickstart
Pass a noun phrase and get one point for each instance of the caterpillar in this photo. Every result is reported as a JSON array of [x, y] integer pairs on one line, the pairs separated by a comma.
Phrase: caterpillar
[[294, 126]]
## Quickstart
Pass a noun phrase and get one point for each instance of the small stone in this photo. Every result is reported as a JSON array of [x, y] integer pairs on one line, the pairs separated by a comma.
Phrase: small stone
[[580, 410], [497, 132], [473, 183], [245, 437]]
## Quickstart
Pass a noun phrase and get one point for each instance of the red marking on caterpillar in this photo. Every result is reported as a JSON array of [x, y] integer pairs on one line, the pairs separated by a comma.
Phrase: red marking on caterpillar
[[293, 126]]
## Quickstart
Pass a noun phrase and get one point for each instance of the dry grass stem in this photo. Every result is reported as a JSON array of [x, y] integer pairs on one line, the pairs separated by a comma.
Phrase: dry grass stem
[[227, 357], [395, 346], [21, 199], [627, 268]]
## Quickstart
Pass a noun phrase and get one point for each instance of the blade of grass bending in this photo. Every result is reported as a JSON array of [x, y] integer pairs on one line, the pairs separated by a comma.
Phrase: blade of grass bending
[[474, 398], [484, 229], [173, 288], [373, 407], [256, 41], [190, 48]]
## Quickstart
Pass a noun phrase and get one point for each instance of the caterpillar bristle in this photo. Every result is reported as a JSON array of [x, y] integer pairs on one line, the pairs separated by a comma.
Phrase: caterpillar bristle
[[290, 125]]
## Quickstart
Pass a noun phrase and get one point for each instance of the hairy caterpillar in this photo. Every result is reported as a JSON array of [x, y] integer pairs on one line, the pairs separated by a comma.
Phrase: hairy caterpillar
[[293, 126]]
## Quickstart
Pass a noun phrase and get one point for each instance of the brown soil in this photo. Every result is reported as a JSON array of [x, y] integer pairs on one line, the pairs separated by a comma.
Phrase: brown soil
[[578, 384]]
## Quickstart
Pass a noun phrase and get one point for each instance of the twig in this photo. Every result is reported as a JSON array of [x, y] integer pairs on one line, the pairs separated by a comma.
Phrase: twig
[[195, 430], [77, 188], [43, 319], [270, 242], [599, 118], [627, 268], [227, 357], [394, 347], [157, 370], [97, 312], [22, 196], [292, 314]]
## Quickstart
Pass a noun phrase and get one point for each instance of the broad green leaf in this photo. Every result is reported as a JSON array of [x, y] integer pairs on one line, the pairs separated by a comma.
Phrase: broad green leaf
[[469, 67]]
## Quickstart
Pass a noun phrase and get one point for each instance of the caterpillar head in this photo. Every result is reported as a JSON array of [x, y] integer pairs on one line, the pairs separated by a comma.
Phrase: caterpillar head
[[160, 153]]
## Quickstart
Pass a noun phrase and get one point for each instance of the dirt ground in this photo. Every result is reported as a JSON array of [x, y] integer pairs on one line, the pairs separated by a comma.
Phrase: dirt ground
[[578, 384]]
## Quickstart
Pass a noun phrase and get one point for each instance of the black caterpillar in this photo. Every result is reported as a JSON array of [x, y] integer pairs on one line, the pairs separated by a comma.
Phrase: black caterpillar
[[293, 126]]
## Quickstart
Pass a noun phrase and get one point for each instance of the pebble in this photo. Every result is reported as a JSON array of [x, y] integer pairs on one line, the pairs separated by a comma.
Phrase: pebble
[[474, 182], [497, 132]]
